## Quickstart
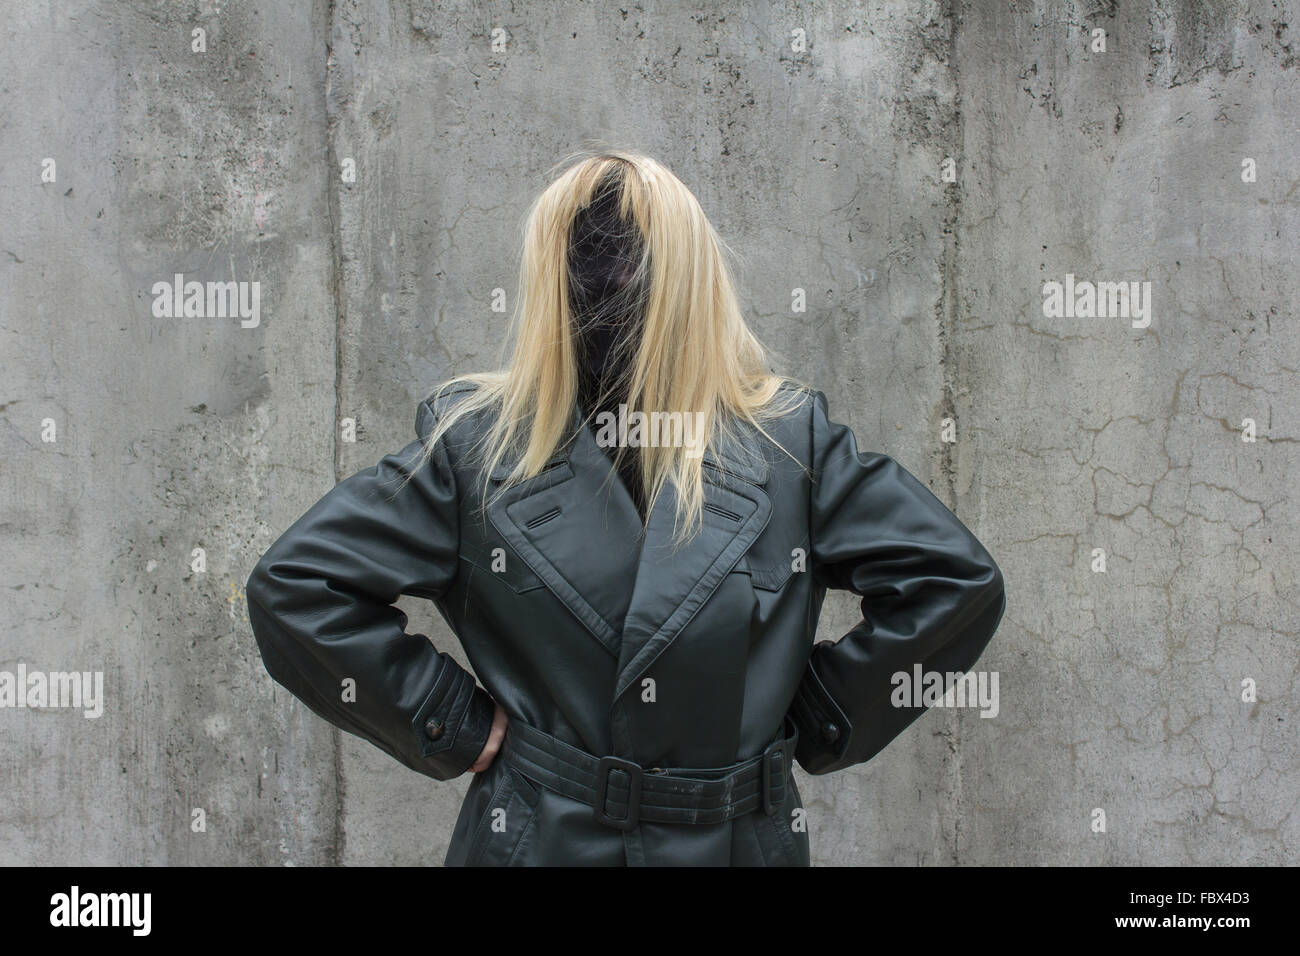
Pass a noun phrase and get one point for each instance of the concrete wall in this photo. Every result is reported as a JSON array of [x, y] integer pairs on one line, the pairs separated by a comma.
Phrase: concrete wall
[[824, 168]]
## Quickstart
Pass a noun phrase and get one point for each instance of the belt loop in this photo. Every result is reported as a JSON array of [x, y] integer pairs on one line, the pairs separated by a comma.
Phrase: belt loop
[[774, 752], [607, 766]]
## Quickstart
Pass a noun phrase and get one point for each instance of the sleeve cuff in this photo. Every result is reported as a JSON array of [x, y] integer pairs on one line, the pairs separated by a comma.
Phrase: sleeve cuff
[[824, 729], [453, 723]]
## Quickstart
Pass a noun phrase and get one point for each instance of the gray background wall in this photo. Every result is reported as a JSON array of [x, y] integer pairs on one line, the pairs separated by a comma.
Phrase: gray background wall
[[1120, 691]]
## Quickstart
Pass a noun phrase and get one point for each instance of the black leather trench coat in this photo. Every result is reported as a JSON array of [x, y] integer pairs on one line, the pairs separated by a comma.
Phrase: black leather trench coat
[[657, 699]]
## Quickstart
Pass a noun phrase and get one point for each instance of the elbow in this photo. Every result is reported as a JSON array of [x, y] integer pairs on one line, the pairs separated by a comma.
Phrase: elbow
[[268, 586], [985, 601], [994, 591], [255, 583], [257, 587], [269, 632], [985, 584], [988, 602]]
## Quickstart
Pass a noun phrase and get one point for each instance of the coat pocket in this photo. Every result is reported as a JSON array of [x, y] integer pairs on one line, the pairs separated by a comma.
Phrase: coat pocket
[[501, 837]]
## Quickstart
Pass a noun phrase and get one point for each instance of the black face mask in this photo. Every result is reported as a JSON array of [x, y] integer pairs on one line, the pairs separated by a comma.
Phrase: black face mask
[[603, 255]]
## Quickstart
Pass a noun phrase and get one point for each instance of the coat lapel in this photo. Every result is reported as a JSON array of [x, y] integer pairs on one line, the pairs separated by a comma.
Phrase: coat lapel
[[578, 529], [673, 582]]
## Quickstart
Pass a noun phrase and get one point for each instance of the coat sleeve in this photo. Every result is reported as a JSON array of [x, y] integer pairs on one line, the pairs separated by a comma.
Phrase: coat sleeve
[[931, 595], [320, 602]]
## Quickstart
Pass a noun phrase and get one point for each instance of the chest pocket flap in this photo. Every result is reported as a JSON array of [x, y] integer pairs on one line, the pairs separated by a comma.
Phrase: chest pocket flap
[[497, 560], [770, 571]]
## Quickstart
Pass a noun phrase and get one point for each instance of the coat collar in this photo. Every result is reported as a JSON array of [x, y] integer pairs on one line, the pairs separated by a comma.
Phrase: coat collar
[[578, 529], [739, 459]]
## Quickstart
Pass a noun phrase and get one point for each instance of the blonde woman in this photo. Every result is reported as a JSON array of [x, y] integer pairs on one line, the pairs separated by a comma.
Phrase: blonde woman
[[630, 529]]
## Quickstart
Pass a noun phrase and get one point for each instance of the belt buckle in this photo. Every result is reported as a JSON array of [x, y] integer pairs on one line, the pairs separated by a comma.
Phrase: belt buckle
[[773, 750], [607, 766]]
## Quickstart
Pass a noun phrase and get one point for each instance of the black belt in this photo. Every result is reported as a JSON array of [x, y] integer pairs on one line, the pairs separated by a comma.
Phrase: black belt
[[623, 793]]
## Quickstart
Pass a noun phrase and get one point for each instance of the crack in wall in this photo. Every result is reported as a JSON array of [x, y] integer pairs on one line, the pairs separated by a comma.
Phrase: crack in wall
[[940, 40], [338, 839]]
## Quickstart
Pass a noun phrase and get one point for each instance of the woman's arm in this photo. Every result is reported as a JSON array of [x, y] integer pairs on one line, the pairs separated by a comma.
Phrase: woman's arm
[[320, 602], [931, 594]]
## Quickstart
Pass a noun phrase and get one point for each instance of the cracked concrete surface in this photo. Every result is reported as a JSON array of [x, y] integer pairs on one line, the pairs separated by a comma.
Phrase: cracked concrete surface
[[822, 168]]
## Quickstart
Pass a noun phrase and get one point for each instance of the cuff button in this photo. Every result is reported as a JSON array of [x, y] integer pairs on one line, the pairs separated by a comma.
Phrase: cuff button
[[434, 728], [830, 732]]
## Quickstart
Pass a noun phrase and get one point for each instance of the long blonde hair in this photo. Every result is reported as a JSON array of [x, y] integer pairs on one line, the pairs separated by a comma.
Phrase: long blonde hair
[[694, 353]]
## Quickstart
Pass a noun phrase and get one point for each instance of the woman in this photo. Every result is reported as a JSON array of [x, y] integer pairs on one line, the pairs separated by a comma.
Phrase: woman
[[631, 531]]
